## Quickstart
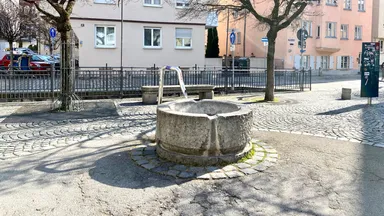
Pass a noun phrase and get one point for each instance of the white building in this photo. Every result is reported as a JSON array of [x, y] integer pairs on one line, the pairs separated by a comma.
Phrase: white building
[[153, 35]]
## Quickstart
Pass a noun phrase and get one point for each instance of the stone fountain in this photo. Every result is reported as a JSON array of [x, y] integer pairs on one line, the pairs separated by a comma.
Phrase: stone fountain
[[203, 132]]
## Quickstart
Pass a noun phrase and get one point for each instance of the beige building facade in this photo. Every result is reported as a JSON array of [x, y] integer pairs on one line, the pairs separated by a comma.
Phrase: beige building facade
[[152, 34], [335, 37], [378, 25]]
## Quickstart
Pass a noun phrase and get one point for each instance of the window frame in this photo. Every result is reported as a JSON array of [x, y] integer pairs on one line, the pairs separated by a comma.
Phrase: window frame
[[331, 2], [345, 31], [183, 47], [324, 60], [361, 32], [304, 23], [345, 5], [105, 32], [318, 31], [160, 41], [184, 2], [361, 5], [152, 4], [344, 60], [238, 38], [334, 30]]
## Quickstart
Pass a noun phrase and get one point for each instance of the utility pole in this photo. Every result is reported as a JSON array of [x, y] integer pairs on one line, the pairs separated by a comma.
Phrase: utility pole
[[121, 48]]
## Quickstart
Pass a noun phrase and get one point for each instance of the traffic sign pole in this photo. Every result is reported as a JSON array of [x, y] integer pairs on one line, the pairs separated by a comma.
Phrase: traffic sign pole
[[233, 39]]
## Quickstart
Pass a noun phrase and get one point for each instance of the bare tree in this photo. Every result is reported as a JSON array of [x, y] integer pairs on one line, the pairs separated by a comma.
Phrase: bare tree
[[61, 20], [43, 28], [13, 22], [280, 15]]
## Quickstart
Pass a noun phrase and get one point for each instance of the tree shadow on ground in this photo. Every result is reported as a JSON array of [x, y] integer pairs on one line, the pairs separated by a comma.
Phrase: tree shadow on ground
[[43, 112], [344, 110]]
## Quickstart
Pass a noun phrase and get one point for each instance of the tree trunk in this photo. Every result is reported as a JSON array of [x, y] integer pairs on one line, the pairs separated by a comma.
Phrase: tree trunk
[[269, 90], [66, 73]]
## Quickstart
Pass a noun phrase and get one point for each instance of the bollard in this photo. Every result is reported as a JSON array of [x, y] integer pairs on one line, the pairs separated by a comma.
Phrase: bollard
[[346, 94]]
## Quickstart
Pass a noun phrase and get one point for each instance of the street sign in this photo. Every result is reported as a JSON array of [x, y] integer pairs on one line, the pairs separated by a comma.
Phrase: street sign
[[302, 51], [302, 33], [264, 39], [369, 70], [232, 47], [303, 44], [52, 32], [291, 40], [265, 43], [232, 37]]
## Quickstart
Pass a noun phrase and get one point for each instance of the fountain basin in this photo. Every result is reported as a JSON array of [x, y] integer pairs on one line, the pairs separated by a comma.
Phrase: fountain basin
[[206, 132]]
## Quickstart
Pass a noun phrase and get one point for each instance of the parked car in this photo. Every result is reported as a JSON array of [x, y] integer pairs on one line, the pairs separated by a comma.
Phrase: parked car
[[38, 63], [26, 51]]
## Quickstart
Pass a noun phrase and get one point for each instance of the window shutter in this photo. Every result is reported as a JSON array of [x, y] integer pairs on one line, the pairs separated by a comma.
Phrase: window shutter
[[312, 62], [318, 62], [297, 62], [183, 33], [350, 62], [310, 29], [330, 62], [338, 62]]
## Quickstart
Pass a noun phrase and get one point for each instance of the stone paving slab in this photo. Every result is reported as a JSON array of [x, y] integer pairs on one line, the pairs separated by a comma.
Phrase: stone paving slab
[[235, 170]]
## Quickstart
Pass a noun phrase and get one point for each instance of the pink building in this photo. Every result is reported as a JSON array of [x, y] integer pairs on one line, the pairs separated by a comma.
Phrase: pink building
[[334, 41]]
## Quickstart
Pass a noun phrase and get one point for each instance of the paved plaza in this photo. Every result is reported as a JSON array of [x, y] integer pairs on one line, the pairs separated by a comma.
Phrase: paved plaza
[[330, 159]]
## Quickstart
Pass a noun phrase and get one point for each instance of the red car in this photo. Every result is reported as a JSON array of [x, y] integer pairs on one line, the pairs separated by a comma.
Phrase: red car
[[37, 63]]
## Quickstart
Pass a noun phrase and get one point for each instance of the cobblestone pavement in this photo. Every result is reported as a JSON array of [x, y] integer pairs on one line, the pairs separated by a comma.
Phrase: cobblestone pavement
[[319, 113], [264, 157], [21, 138], [322, 113]]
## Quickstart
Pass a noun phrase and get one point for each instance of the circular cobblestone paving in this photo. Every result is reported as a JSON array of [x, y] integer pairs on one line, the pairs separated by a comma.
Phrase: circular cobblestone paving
[[264, 157]]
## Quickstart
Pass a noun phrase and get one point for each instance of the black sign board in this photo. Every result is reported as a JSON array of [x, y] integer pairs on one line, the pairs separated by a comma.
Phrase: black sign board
[[370, 67]]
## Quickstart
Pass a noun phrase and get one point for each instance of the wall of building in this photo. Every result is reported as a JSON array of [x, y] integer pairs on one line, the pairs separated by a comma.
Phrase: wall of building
[[332, 48], [134, 53]]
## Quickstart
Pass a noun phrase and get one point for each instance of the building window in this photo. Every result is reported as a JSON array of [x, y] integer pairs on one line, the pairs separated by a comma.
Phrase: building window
[[344, 31], [381, 46], [183, 38], [331, 29], [105, 36], [152, 2], [318, 31], [104, 1], [358, 33], [347, 4], [344, 62], [361, 5], [152, 37], [332, 2], [238, 37], [324, 62], [182, 3], [307, 25]]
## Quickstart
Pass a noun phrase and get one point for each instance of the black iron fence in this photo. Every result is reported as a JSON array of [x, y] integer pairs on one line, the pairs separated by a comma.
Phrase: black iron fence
[[114, 82]]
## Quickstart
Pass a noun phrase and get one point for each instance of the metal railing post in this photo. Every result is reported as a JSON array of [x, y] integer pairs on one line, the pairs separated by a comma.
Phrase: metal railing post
[[52, 81], [106, 77], [310, 79], [121, 81], [154, 74]]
